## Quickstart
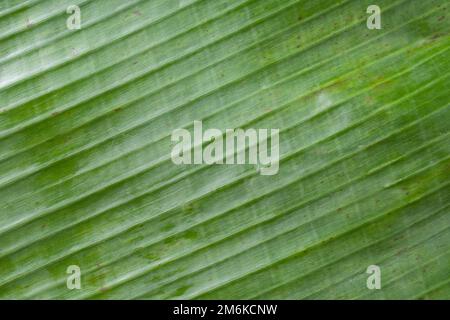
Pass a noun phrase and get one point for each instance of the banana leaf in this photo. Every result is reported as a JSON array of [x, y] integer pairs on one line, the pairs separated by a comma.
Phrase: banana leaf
[[86, 177]]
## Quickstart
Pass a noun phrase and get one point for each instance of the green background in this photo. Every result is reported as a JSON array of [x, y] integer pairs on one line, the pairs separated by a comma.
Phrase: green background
[[85, 171]]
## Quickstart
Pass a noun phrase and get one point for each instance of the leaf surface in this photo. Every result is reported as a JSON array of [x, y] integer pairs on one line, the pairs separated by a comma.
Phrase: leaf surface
[[86, 177]]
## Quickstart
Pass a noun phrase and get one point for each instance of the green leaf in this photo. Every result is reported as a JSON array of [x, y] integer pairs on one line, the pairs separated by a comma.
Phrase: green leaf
[[86, 177]]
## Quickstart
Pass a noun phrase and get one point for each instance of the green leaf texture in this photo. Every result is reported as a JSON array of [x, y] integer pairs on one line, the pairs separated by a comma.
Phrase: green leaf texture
[[86, 177]]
